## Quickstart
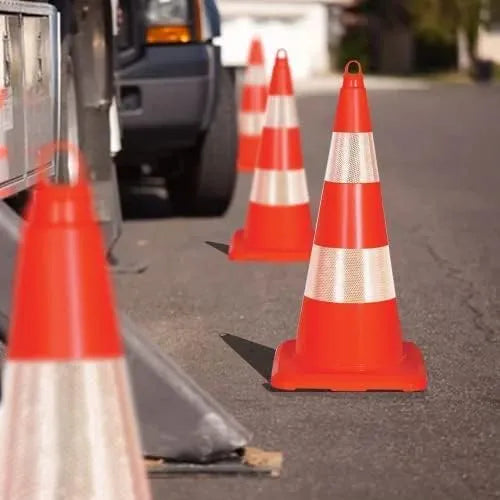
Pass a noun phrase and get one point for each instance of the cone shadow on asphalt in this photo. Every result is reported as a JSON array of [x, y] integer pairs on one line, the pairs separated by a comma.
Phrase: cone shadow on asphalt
[[222, 247], [258, 356]]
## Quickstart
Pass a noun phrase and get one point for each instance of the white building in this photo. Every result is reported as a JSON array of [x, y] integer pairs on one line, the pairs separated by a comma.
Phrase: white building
[[489, 45], [303, 27], [489, 34], [489, 42]]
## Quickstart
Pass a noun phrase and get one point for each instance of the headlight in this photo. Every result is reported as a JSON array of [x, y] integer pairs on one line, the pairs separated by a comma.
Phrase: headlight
[[171, 21], [167, 12]]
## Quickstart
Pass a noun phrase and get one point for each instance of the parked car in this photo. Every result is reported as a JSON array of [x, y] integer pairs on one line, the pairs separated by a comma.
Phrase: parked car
[[177, 102]]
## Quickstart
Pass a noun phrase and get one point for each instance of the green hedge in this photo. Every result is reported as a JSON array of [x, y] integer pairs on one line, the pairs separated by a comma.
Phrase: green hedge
[[430, 55], [354, 45]]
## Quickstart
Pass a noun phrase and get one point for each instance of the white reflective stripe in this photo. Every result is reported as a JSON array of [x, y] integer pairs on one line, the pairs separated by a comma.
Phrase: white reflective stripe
[[68, 430], [281, 112], [279, 187], [251, 123], [350, 275], [352, 158], [255, 75]]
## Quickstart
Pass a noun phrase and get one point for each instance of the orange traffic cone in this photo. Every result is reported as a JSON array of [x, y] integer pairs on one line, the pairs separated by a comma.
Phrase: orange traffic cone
[[278, 225], [349, 336], [252, 108], [68, 427]]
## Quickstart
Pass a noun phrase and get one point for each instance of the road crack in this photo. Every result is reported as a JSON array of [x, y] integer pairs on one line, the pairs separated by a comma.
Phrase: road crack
[[479, 317]]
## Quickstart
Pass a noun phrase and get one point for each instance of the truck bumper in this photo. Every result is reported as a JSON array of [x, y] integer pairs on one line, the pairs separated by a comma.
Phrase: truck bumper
[[167, 98]]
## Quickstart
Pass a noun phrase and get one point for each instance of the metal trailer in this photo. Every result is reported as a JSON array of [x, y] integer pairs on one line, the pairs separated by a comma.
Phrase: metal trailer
[[29, 83]]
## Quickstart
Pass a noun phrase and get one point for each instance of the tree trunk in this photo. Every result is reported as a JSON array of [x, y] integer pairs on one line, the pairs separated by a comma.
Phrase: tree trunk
[[464, 61]]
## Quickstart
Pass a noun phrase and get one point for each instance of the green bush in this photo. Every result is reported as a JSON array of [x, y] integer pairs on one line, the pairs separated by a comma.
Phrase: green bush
[[433, 54], [354, 45]]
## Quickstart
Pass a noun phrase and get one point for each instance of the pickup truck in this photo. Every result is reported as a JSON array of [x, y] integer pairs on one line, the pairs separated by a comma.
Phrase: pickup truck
[[177, 102]]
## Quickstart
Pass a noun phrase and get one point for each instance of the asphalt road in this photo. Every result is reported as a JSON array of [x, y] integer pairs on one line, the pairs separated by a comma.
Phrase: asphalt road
[[439, 161]]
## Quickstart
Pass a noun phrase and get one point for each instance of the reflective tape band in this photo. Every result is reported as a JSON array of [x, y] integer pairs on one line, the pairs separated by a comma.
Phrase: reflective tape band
[[279, 187], [350, 275], [281, 112], [71, 417], [255, 75], [251, 123], [352, 158]]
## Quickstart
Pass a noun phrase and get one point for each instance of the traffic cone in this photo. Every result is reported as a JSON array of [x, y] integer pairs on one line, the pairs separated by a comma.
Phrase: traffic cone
[[349, 336], [252, 108], [278, 225], [68, 427], [158, 384]]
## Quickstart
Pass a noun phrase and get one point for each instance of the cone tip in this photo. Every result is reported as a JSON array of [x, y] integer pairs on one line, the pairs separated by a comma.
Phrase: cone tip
[[256, 56], [281, 79], [353, 79], [353, 114], [281, 55], [349, 64], [60, 203]]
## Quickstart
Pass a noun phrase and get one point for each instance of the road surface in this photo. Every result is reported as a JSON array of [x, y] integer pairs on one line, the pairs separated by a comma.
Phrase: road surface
[[439, 161]]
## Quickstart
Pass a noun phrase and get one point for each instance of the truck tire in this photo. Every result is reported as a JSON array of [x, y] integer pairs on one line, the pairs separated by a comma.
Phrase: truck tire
[[204, 183]]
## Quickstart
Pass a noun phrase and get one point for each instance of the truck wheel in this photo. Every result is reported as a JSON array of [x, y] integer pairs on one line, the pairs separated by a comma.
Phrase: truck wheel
[[204, 183]]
